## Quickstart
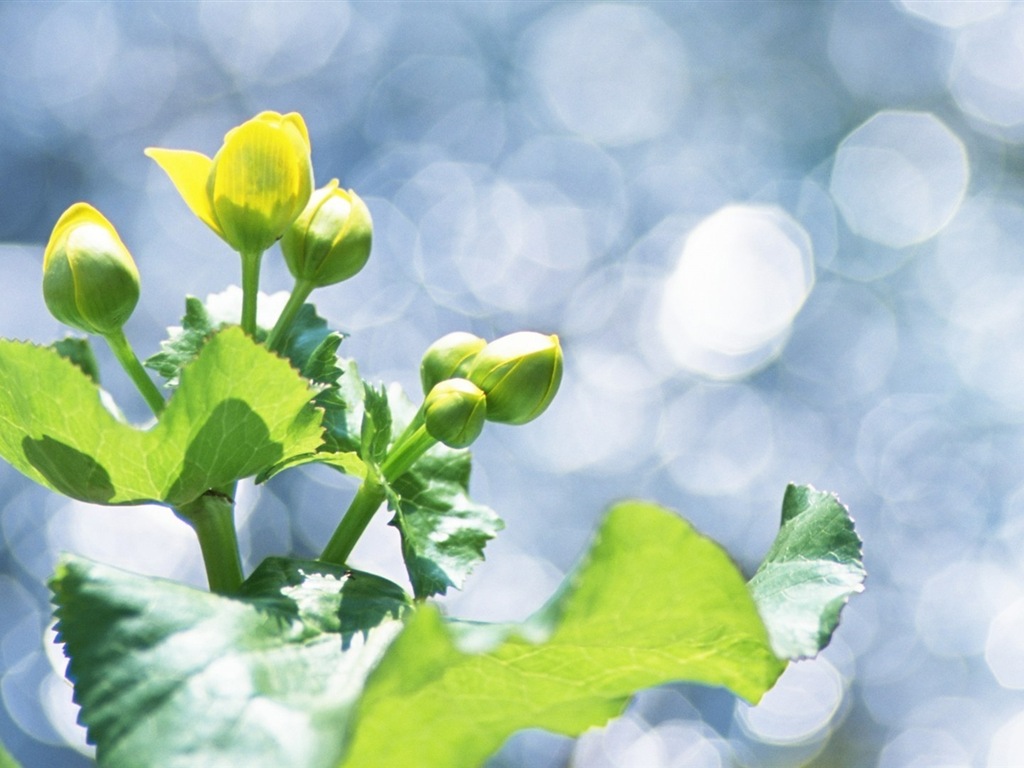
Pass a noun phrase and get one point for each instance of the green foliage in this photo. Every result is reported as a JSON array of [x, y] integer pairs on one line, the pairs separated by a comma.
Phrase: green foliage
[[809, 574], [220, 426], [185, 342], [443, 531], [167, 675], [375, 430], [652, 601], [79, 352]]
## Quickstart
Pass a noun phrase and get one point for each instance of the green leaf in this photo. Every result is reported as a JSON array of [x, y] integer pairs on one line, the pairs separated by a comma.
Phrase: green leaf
[[79, 352], [444, 532], [184, 343], [310, 666], [375, 431], [7, 760], [171, 676], [308, 343], [652, 602], [238, 410], [343, 409], [809, 574], [346, 462], [303, 344]]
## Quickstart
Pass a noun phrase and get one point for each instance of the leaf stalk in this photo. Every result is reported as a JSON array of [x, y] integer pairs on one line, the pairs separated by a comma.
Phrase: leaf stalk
[[126, 357], [298, 297], [371, 493]]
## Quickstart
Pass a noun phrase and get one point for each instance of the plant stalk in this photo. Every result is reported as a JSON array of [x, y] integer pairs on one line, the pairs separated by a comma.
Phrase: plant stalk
[[212, 517], [126, 357], [371, 494], [406, 452], [298, 297], [367, 501], [250, 290]]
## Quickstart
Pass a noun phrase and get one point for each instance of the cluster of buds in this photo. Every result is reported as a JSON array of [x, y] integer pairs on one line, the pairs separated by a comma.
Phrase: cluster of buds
[[467, 381], [258, 189]]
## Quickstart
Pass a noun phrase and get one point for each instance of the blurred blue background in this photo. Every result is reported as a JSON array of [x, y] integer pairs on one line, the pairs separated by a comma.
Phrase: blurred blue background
[[780, 242]]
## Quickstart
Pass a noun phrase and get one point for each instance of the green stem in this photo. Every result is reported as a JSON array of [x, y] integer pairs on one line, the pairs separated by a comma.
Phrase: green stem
[[371, 495], [367, 501], [299, 295], [212, 516], [406, 452], [250, 290], [126, 357]]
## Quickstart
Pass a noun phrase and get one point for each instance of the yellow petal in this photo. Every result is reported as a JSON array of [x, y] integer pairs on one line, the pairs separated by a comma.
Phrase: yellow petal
[[189, 171], [262, 179], [77, 215], [293, 120]]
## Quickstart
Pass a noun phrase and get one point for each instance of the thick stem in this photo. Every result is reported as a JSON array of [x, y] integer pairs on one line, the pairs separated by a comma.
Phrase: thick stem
[[250, 290], [299, 295], [212, 516], [367, 501], [126, 357]]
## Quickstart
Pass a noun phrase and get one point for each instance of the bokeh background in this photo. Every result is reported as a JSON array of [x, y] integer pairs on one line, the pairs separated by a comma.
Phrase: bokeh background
[[780, 242]]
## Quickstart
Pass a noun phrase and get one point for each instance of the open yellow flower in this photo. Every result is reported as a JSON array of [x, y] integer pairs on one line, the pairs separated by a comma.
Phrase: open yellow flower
[[254, 187]]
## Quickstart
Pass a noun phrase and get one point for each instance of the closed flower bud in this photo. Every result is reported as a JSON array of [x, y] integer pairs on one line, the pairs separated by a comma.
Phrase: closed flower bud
[[330, 241], [520, 374], [254, 187], [449, 357], [454, 412], [90, 281]]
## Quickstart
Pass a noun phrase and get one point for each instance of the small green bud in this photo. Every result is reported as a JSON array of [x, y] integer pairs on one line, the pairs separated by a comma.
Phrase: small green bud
[[449, 357], [454, 412], [330, 240], [90, 281], [520, 374]]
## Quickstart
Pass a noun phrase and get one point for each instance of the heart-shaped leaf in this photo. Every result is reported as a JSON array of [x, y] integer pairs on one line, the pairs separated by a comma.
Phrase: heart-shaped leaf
[[238, 410]]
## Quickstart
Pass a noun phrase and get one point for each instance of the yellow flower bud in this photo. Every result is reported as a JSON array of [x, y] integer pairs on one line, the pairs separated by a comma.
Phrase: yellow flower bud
[[254, 187], [520, 374], [449, 357], [90, 281], [330, 241], [454, 412]]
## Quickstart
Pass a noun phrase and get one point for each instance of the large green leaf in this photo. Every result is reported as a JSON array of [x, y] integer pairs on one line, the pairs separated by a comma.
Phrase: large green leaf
[[174, 677], [309, 665], [809, 574], [238, 410], [653, 602]]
